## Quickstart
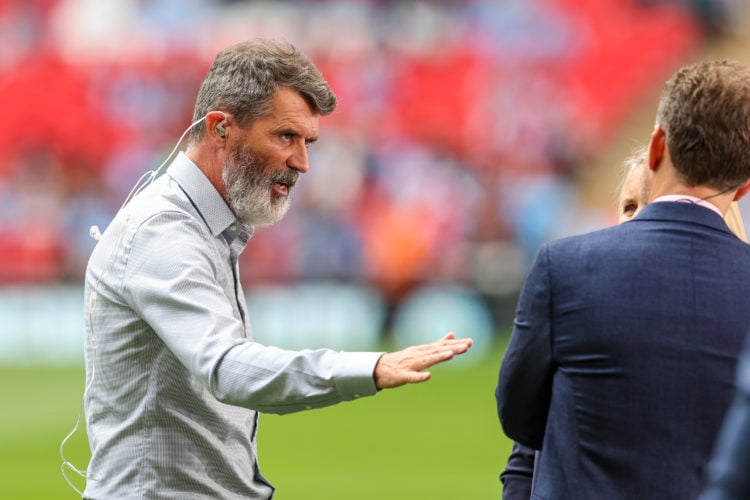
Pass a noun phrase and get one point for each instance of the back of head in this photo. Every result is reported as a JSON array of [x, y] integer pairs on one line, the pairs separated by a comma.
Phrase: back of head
[[244, 77], [704, 111]]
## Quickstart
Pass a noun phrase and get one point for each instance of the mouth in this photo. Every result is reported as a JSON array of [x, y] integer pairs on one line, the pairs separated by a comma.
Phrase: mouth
[[282, 186]]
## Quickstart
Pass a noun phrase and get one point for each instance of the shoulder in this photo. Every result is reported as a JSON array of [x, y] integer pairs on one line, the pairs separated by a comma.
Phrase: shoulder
[[158, 224], [582, 242], [164, 208]]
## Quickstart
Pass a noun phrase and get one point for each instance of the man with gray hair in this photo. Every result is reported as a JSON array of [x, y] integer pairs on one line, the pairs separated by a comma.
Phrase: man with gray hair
[[174, 379]]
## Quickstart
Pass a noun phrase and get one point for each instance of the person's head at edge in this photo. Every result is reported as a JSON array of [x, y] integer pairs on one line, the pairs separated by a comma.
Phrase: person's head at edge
[[261, 101], [632, 191], [702, 135]]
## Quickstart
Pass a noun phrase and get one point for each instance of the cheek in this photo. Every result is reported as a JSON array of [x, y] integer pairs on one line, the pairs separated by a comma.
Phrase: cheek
[[268, 160]]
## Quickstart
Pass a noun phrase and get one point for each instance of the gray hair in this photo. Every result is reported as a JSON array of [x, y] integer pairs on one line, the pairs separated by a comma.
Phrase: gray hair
[[243, 79]]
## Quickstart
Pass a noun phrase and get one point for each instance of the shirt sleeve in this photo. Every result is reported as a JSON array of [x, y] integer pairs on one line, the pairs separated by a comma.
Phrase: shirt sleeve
[[171, 281], [525, 379]]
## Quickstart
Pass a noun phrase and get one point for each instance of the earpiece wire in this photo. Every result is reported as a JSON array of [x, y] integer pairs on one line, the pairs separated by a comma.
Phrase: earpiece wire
[[144, 181]]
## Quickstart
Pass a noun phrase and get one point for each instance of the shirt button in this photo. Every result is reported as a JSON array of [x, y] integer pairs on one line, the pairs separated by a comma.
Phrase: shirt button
[[233, 227]]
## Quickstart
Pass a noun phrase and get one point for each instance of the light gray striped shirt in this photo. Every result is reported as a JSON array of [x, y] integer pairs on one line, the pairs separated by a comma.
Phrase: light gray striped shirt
[[174, 378]]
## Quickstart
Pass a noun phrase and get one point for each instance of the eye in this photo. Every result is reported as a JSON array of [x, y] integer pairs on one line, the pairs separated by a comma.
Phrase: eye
[[629, 209]]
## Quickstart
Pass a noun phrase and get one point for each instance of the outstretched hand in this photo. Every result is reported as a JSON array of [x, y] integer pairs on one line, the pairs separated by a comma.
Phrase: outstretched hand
[[405, 367]]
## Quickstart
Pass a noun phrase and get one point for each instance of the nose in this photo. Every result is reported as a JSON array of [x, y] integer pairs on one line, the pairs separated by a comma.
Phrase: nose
[[298, 159]]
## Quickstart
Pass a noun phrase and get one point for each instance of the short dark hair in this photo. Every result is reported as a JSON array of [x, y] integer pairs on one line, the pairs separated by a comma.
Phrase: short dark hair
[[243, 79], [704, 111]]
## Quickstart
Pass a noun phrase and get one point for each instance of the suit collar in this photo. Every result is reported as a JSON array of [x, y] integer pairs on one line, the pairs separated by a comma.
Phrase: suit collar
[[680, 211]]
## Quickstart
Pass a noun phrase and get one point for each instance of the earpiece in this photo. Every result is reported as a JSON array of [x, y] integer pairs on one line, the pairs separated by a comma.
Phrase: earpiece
[[220, 130]]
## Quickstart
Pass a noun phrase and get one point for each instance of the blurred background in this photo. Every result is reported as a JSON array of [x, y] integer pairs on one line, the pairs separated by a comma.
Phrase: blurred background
[[467, 133]]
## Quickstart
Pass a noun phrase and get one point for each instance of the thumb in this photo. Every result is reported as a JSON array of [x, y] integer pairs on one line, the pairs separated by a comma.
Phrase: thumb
[[417, 377]]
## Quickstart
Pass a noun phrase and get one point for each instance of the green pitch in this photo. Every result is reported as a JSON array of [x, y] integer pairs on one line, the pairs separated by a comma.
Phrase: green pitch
[[437, 440]]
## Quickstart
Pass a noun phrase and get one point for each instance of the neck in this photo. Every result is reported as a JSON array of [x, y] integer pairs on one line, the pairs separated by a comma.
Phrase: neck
[[721, 199], [665, 181], [210, 164]]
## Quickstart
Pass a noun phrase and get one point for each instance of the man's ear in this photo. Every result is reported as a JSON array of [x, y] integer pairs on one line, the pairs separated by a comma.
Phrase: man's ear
[[656, 147], [742, 191], [216, 122]]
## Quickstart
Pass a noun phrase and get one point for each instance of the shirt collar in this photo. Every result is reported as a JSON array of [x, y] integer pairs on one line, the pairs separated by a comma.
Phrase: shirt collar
[[689, 199], [207, 200]]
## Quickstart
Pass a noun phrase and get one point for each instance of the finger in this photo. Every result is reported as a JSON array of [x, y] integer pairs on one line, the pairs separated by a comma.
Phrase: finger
[[456, 345], [463, 345], [447, 336], [447, 352], [403, 377], [417, 377], [433, 359], [443, 352]]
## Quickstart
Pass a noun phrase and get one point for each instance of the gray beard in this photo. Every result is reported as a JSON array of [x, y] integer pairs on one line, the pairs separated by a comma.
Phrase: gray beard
[[249, 189]]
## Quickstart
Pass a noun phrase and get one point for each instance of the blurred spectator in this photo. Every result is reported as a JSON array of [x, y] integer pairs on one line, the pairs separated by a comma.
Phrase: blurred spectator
[[453, 118], [31, 243]]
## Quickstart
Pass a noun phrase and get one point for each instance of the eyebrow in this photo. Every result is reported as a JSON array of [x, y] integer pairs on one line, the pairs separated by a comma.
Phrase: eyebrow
[[295, 133]]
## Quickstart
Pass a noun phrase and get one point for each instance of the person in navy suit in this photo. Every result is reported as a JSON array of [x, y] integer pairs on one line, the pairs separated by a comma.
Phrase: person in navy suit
[[517, 478], [621, 362], [631, 198], [729, 468]]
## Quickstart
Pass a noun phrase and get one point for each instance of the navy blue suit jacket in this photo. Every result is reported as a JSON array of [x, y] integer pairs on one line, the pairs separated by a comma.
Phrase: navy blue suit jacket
[[729, 469], [622, 358], [518, 476]]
